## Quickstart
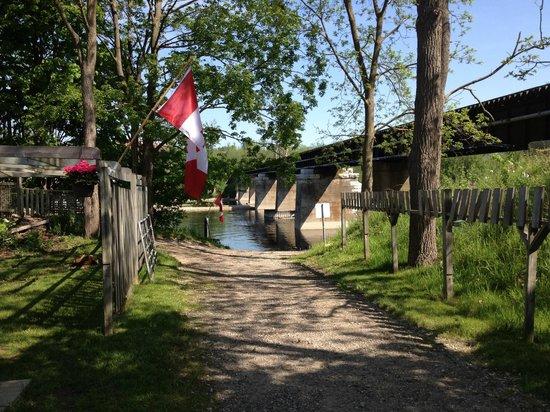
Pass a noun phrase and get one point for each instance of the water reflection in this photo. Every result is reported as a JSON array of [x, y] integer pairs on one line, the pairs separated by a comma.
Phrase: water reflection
[[247, 230]]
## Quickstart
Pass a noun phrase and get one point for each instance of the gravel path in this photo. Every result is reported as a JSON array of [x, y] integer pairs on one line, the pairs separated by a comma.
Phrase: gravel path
[[283, 338]]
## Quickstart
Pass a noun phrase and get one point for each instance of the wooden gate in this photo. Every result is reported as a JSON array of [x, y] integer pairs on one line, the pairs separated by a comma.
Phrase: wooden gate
[[122, 205]]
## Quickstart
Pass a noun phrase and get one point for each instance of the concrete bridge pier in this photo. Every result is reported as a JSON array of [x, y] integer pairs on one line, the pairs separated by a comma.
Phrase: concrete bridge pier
[[251, 195], [241, 195], [285, 200], [323, 186], [265, 191], [390, 174]]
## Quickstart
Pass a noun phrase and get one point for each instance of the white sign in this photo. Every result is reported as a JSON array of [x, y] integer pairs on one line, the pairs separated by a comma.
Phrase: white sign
[[325, 211]]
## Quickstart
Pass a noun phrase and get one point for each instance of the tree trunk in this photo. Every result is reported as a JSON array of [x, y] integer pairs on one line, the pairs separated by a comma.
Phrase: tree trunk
[[368, 144], [148, 143], [433, 34], [91, 204], [368, 81], [118, 46]]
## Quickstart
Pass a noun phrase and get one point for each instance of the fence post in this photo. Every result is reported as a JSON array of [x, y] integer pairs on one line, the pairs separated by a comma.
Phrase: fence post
[[447, 234], [342, 220], [20, 201], [323, 223], [365, 213], [134, 221], [529, 288], [206, 228], [105, 192], [394, 250], [533, 233]]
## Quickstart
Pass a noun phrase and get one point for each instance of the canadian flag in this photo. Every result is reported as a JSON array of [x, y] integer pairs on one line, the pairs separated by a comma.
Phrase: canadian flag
[[182, 111]]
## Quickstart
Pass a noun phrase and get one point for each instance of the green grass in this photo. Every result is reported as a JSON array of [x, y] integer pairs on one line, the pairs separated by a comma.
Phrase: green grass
[[487, 311], [50, 317]]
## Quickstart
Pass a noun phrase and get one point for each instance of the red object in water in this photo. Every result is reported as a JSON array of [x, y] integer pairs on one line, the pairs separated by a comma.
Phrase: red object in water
[[218, 201]]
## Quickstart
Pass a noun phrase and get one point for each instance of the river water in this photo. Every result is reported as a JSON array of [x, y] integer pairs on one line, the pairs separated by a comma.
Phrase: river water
[[247, 230]]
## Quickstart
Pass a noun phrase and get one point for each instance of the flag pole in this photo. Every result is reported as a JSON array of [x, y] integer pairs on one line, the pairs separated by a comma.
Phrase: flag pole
[[165, 90]]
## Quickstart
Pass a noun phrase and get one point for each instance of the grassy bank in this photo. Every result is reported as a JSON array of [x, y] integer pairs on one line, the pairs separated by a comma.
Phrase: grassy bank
[[50, 317], [489, 263]]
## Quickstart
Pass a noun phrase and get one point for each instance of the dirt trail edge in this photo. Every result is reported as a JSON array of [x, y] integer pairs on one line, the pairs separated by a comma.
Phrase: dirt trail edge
[[280, 337]]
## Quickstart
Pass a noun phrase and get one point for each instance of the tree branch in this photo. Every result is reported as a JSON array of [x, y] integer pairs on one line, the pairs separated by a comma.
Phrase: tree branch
[[517, 51], [74, 35], [335, 52]]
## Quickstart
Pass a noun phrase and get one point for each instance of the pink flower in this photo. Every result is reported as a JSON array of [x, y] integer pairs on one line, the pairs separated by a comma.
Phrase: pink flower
[[82, 167]]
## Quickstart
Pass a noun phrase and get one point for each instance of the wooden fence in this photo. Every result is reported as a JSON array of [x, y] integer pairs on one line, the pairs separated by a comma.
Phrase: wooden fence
[[123, 204], [525, 208], [39, 202]]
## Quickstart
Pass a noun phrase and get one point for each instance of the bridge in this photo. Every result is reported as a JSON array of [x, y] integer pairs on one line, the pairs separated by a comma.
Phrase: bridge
[[516, 119]]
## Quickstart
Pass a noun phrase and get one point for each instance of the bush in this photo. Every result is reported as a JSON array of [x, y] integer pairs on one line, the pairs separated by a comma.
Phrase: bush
[[6, 238], [33, 241], [168, 221], [68, 223]]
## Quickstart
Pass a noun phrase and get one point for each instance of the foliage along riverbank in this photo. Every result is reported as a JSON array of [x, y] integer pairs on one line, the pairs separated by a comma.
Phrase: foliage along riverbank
[[489, 262]]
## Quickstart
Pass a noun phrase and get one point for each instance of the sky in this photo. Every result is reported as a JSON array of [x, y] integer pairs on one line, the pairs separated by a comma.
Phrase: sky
[[493, 33]]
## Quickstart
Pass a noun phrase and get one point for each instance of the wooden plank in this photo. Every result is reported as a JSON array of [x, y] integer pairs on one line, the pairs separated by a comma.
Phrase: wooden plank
[[24, 228], [447, 233], [105, 194], [401, 202], [472, 204], [462, 199], [134, 227], [343, 222], [522, 207], [20, 201], [30, 171], [126, 257], [115, 248], [365, 230], [464, 202], [508, 207], [454, 208], [483, 208], [495, 206], [436, 202], [27, 202], [538, 203], [394, 249], [57, 152], [37, 201], [529, 290]]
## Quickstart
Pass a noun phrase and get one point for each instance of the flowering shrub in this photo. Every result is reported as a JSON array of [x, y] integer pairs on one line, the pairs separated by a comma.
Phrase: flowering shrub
[[82, 173]]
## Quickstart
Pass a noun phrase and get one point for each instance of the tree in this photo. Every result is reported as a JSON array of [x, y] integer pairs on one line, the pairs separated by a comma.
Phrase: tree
[[40, 98], [433, 38], [87, 55], [371, 60], [249, 60]]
